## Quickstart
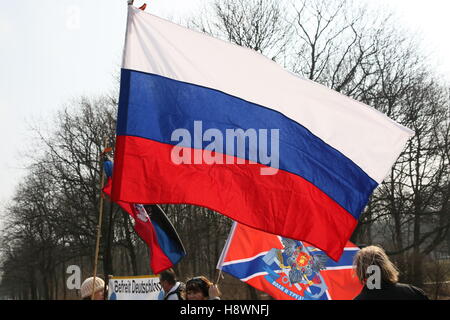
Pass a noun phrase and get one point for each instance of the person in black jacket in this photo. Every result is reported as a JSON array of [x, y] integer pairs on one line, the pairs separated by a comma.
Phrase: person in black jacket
[[389, 288]]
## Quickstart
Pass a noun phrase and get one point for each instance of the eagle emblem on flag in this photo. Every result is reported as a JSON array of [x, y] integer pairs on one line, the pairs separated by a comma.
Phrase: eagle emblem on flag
[[300, 267]]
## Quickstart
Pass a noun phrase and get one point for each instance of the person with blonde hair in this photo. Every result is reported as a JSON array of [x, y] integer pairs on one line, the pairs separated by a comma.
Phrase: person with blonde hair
[[372, 260]]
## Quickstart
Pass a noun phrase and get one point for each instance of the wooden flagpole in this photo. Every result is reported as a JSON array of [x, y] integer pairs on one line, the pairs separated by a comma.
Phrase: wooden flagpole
[[100, 218], [108, 250]]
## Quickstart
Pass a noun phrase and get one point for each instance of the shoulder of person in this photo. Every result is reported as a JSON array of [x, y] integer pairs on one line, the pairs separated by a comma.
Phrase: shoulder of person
[[173, 292], [413, 289], [419, 292], [172, 296]]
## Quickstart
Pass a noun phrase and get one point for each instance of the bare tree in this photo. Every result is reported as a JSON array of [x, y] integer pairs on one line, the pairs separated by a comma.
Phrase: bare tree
[[260, 25], [52, 219], [363, 54]]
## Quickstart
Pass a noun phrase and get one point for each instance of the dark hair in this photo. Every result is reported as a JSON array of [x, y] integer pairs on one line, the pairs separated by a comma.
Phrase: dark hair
[[198, 284], [168, 275]]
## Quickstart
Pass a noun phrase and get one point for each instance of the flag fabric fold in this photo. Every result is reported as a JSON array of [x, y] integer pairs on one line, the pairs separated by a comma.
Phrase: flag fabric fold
[[287, 269], [333, 151], [154, 228]]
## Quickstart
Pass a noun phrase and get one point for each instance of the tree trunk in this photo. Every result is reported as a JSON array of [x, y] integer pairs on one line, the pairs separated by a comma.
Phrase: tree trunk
[[64, 281], [130, 247]]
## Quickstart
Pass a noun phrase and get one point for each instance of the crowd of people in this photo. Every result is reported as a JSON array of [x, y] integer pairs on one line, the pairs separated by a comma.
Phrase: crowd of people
[[201, 288], [196, 288]]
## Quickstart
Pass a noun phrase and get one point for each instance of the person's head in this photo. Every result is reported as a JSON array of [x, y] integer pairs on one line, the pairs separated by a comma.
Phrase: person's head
[[88, 285], [375, 256], [167, 279], [197, 288]]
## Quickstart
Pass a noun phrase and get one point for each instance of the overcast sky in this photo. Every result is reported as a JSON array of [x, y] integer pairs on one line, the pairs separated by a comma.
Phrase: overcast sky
[[52, 51]]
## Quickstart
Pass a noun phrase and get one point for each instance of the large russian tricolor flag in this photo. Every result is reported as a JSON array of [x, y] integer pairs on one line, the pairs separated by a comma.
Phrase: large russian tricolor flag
[[332, 151]]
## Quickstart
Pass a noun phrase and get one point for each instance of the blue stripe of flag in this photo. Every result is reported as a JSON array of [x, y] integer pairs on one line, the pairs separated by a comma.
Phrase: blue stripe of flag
[[170, 248], [153, 106]]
